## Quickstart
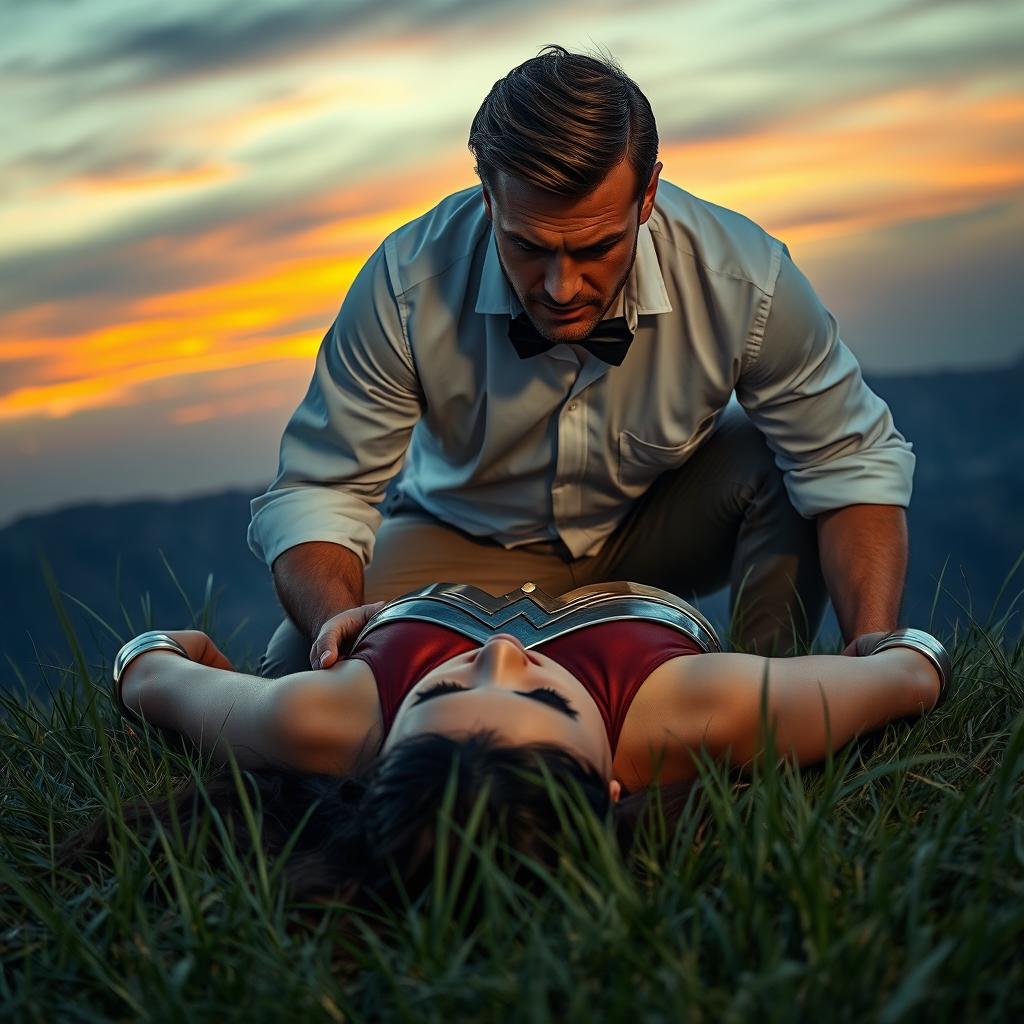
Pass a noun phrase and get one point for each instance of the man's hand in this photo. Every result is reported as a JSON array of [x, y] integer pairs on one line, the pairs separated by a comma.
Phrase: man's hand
[[338, 632], [863, 645]]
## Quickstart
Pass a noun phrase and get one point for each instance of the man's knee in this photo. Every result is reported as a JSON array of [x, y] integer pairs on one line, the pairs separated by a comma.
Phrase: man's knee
[[287, 652], [740, 446]]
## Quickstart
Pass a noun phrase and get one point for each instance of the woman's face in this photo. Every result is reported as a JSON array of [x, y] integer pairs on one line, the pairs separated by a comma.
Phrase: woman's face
[[522, 696]]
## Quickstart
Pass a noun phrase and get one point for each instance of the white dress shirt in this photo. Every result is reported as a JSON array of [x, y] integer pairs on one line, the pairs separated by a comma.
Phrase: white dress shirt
[[418, 368]]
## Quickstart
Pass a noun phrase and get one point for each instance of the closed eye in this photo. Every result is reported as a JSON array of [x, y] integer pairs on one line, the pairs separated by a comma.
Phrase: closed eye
[[543, 694], [552, 698], [437, 690]]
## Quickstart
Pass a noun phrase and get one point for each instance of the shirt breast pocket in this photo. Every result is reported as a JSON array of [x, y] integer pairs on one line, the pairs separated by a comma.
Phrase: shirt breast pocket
[[641, 462]]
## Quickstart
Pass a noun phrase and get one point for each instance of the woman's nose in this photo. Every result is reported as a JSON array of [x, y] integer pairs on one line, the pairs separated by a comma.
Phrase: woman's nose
[[506, 636], [502, 652]]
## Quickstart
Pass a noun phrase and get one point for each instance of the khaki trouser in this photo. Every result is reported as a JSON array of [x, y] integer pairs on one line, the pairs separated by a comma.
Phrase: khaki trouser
[[723, 517]]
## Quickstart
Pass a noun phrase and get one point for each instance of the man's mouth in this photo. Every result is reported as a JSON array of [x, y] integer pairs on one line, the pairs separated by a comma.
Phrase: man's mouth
[[564, 312]]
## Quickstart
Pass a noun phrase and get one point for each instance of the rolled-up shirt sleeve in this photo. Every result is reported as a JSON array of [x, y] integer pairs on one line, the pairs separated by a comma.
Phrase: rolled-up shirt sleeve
[[833, 437], [349, 435]]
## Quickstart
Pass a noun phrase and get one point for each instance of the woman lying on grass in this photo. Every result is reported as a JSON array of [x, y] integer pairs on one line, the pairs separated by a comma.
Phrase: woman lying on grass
[[611, 687]]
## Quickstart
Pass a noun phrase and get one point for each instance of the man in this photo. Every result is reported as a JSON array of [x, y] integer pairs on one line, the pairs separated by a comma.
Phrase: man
[[590, 375]]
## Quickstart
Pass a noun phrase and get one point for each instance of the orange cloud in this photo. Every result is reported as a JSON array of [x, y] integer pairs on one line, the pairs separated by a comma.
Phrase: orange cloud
[[238, 125], [241, 125], [67, 397], [224, 325], [129, 180]]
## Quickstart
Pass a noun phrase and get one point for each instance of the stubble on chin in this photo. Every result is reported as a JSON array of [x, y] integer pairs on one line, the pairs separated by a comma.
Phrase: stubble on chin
[[579, 332], [575, 333]]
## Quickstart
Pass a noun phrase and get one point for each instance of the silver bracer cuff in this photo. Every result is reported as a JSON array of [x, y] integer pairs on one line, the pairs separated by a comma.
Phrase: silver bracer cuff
[[151, 641], [924, 643]]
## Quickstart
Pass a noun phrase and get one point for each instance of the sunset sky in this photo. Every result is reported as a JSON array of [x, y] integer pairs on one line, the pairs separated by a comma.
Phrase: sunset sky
[[188, 189]]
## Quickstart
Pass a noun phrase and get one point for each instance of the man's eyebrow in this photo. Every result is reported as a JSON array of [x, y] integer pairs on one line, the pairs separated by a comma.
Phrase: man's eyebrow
[[601, 243]]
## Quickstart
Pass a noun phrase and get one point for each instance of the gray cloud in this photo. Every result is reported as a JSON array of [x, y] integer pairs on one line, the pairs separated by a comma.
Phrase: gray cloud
[[938, 308], [227, 37], [99, 157], [21, 373], [217, 37], [827, 49], [826, 56]]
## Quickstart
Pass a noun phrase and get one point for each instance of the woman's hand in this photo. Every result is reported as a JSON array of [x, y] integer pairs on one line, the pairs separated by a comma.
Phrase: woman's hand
[[201, 648], [338, 632]]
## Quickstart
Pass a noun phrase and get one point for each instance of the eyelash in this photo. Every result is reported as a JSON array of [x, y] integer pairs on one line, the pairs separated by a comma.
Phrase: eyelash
[[549, 695], [444, 686], [553, 697]]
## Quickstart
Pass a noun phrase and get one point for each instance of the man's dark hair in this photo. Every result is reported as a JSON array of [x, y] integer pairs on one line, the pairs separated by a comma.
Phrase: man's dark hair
[[561, 121]]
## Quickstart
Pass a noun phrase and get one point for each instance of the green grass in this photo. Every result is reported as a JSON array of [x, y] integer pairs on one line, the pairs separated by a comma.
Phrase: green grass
[[887, 884]]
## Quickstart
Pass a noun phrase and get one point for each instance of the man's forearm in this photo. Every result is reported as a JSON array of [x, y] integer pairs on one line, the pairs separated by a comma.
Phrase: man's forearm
[[315, 581], [864, 561]]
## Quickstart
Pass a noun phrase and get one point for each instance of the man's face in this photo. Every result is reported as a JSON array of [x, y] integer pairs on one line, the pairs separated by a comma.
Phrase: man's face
[[567, 259]]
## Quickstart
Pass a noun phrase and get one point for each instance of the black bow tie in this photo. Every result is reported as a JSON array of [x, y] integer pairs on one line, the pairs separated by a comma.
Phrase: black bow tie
[[609, 340]]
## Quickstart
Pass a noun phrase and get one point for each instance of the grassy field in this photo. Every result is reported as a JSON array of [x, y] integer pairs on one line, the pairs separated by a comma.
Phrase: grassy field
[[887, 884]]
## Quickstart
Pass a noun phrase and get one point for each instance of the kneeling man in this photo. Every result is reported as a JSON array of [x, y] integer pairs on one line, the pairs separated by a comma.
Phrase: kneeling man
[[577, 372]]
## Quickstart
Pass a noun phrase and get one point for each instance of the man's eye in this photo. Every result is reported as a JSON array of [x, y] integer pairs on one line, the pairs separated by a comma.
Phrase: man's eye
[[525, 246]]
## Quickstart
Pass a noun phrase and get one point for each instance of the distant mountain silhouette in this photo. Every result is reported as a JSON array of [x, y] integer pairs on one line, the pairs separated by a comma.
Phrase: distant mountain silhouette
[[967, 430], [109, 556], [968, 502]]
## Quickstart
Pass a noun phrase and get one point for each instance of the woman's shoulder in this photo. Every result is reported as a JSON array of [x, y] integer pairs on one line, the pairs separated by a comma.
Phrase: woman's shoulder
[[333, 717], [675, 712]]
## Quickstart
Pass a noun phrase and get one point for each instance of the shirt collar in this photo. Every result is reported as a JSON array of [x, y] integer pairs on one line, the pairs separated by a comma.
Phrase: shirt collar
[[643, 293]]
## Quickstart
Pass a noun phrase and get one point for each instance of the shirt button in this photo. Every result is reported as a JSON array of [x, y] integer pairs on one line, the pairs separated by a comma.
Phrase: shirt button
[[572, 406]]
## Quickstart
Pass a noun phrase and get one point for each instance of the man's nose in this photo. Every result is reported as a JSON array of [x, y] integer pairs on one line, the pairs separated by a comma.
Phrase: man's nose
[[562, 281]]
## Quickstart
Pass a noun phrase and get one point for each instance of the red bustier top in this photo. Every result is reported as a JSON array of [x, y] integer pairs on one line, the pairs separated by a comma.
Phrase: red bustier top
[[610, 659]]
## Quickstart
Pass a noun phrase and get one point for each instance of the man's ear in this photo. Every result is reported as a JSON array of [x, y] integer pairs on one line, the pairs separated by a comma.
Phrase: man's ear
[[647, 206], [614, 790], [487, 201]]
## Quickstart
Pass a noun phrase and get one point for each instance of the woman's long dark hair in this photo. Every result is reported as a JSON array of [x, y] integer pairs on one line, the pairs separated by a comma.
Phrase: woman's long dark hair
[[367, 838]]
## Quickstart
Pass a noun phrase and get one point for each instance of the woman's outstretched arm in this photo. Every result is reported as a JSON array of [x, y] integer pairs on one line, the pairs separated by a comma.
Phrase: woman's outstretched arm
[[813, 704], [306, 721], [713, 703]]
